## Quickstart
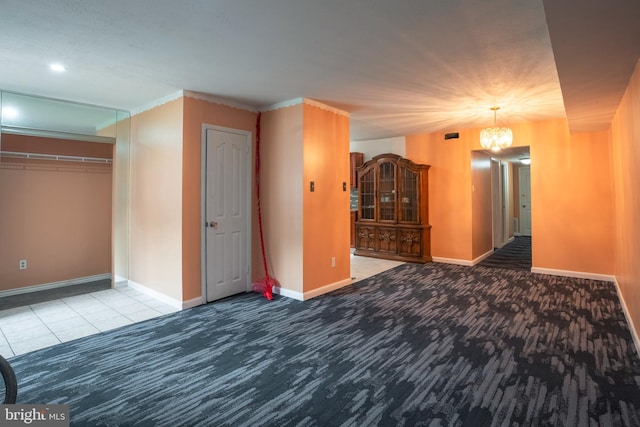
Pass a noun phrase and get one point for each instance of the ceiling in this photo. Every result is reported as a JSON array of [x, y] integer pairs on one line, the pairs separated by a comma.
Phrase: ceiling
[[398, 68]]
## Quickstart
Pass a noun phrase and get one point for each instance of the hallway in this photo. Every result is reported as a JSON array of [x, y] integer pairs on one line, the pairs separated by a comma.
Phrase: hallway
[[515, 255]]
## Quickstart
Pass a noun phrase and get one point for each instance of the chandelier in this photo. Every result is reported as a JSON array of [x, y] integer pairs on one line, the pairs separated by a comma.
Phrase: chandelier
[[495, 138]]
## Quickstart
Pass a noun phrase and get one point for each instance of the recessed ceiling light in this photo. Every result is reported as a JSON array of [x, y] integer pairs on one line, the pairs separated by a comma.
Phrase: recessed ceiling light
[[526, 161], [9, 113], [58, 68]]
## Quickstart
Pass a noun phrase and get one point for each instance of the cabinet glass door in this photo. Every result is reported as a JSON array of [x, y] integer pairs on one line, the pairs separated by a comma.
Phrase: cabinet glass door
[[387, 192], [367, 195], [409, 196]]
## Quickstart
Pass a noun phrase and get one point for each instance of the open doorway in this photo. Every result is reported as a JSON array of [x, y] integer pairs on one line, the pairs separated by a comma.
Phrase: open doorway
[[56, 212], [57, 161], [64, 221], [511, 209]]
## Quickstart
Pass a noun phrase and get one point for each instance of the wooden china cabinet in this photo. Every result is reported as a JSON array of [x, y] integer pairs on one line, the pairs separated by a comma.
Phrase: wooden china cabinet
[[393, 213]]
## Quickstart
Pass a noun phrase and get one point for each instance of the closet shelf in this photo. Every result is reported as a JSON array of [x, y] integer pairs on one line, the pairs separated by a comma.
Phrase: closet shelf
[[58, 157]]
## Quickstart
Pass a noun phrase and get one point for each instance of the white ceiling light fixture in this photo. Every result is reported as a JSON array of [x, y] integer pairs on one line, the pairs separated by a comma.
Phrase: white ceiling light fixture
[[526, 161], [9, 113], [57, 67], [495, 138]]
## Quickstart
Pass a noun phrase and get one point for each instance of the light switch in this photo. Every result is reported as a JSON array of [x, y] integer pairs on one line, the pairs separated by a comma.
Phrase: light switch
[[312, 187]]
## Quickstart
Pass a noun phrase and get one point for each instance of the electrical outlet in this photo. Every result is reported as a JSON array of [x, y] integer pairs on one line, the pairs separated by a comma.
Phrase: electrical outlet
[[333, 261], [22, 264]]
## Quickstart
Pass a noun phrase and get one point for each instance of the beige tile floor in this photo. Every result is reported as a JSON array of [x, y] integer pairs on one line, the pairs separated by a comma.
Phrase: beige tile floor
[[29, 328], [363, 267]]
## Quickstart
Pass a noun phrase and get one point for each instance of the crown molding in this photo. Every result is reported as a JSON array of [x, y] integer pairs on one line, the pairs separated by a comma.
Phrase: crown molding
[[158, 102], [217, 100], [283, 104], [230, 103], [325, 107], [308, 101]]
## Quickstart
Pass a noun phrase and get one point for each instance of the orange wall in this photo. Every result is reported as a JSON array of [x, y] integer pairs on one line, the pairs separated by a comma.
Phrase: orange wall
[[281, 190], [625, 164], [156, 199], [572, 211], [570, 192], [481, 204], [288, 147], [326, 210], [166, 199], [54, 214], [449, 192], [196, 113]]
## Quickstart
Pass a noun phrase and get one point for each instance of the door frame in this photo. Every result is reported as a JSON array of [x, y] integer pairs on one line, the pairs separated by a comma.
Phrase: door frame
[[203, 202], [500, 218], [496, 211], [506, 201]]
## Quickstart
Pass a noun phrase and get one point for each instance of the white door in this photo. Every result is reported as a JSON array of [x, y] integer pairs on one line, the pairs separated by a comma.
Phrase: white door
[[227, 213], [525, 201]]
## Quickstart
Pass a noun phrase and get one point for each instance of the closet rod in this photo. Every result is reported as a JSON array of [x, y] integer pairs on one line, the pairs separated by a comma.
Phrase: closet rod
[[38, 156]]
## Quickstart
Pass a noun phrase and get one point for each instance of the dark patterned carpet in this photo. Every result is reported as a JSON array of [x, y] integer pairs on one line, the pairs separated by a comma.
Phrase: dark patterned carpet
[[515, 255], [432, 345]]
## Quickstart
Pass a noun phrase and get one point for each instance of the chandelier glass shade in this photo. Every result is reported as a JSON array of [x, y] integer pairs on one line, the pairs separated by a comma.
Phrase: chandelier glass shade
[[495, 138]]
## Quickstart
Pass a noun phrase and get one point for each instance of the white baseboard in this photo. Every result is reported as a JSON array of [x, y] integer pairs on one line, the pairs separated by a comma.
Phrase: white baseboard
[[181, 305], [314, 293], [53, 285], [452, 261], [576, 274], [192, 303], [464, 262], [483, 256], [119, 281], [327, 288], [625, 309], [288, 293], [120, 284]]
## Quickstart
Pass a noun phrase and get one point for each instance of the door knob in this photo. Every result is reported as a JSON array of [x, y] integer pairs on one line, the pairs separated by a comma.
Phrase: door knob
[[211, 224]]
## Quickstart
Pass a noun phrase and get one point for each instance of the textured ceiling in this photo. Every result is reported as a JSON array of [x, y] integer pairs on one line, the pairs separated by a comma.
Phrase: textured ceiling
[[398, 67], [596, 46]]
